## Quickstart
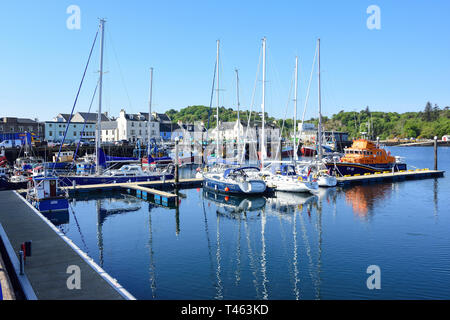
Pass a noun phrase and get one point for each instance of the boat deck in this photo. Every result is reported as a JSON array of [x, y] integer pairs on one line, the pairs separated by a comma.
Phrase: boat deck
[[52, 254]]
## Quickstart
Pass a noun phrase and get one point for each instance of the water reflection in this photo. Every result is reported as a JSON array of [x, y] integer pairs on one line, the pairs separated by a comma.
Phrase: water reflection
[[363, 198]]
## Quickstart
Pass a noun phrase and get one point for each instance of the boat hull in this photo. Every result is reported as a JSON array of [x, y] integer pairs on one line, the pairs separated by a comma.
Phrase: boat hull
[[327, 181], [251, 187], [345, 168], [7, 185], [51, 205]]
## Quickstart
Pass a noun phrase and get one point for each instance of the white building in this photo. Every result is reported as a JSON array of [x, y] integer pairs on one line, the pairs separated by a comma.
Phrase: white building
[[110, 133], [232, 131], [133, 127], [54, 131]]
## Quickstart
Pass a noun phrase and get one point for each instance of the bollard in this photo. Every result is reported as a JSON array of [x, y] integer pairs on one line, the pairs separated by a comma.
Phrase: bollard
[[435, 153], [21, 263], [28, 248]]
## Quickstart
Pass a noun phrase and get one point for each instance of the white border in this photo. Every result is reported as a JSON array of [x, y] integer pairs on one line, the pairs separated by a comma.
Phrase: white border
[[113, 282]]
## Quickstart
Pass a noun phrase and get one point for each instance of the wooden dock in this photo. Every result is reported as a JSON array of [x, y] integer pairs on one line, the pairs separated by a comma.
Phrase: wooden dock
[[182, 183], [389, 176], [52, 254]]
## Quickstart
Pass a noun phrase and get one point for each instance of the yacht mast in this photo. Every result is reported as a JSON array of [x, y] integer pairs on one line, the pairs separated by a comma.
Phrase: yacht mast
[[149, 113], [98, 170], [263, 135], [319, 140], [237, 95], [295, 109], [217, 115]]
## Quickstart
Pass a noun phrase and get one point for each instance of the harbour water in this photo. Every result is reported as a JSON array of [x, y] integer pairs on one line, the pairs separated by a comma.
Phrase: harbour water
[[288, 247]]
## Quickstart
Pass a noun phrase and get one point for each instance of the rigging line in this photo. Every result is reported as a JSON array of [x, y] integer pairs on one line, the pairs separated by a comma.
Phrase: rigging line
[[307, 95], [79, 230], [251, 258], [252, 101], [120, 69], [75, 102], [285, 113], [84, 125]]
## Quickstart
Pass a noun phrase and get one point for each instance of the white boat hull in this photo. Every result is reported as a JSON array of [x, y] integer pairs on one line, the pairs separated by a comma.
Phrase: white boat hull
[[327, 181]]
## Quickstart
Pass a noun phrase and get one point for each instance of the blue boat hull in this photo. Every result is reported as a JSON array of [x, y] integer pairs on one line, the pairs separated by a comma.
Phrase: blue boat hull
[[227, 188], [52, 205], [6, 185], [343, 168], [88, 180]]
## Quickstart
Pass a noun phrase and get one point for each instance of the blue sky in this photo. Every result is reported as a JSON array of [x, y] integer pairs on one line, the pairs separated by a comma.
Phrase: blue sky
[[397, 68]]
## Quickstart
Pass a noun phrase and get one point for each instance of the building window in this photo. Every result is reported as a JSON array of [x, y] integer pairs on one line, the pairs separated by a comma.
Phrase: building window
[[74, 133], [50, 125]]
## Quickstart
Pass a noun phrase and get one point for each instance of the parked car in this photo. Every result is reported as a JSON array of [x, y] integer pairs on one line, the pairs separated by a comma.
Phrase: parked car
[[122, 143], [52, 143], [16, 143]]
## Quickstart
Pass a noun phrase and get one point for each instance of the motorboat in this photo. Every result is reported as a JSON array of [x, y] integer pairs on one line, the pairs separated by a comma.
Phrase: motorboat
[[284, 177], [363, 157], [46, 195]]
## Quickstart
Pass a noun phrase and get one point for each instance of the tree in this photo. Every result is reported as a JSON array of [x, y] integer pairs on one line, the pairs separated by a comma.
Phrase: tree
[[427, 113]]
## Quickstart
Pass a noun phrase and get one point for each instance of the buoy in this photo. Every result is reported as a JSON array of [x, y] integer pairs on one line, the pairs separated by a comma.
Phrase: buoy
[[227, 189]]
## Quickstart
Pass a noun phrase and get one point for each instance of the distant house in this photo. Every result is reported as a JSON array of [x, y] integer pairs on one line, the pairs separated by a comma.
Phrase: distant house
[[21, 125], [110, 132], [189, 132], [446, 138], [233, 131], [133, 127], [55, 130], [166, 129]]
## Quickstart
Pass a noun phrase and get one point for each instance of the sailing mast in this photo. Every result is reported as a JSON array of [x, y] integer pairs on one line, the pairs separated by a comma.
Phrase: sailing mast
[[238, 137], [263, 136], [295, 109], [217, 115], [149, 114], [237, 95], [319, 140], [98, 170]]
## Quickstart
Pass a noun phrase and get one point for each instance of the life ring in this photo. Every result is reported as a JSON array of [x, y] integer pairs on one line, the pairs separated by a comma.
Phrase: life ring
[[300, 178]]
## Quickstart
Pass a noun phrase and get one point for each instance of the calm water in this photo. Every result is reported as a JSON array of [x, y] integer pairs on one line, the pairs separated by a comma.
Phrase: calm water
[[289, 247]]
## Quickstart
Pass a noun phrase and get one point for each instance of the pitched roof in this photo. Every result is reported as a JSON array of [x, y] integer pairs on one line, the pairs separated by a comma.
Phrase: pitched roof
[[65, 116], [91, 116], [109, 125]]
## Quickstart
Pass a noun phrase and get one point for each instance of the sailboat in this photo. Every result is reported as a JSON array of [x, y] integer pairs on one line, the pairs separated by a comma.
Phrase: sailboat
[[281, 176], [240, 180], [318, 167], [111, 176]]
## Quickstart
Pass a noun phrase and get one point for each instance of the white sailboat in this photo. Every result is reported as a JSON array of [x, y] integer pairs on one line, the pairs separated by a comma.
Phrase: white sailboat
[[317, 167], [282, 176]]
